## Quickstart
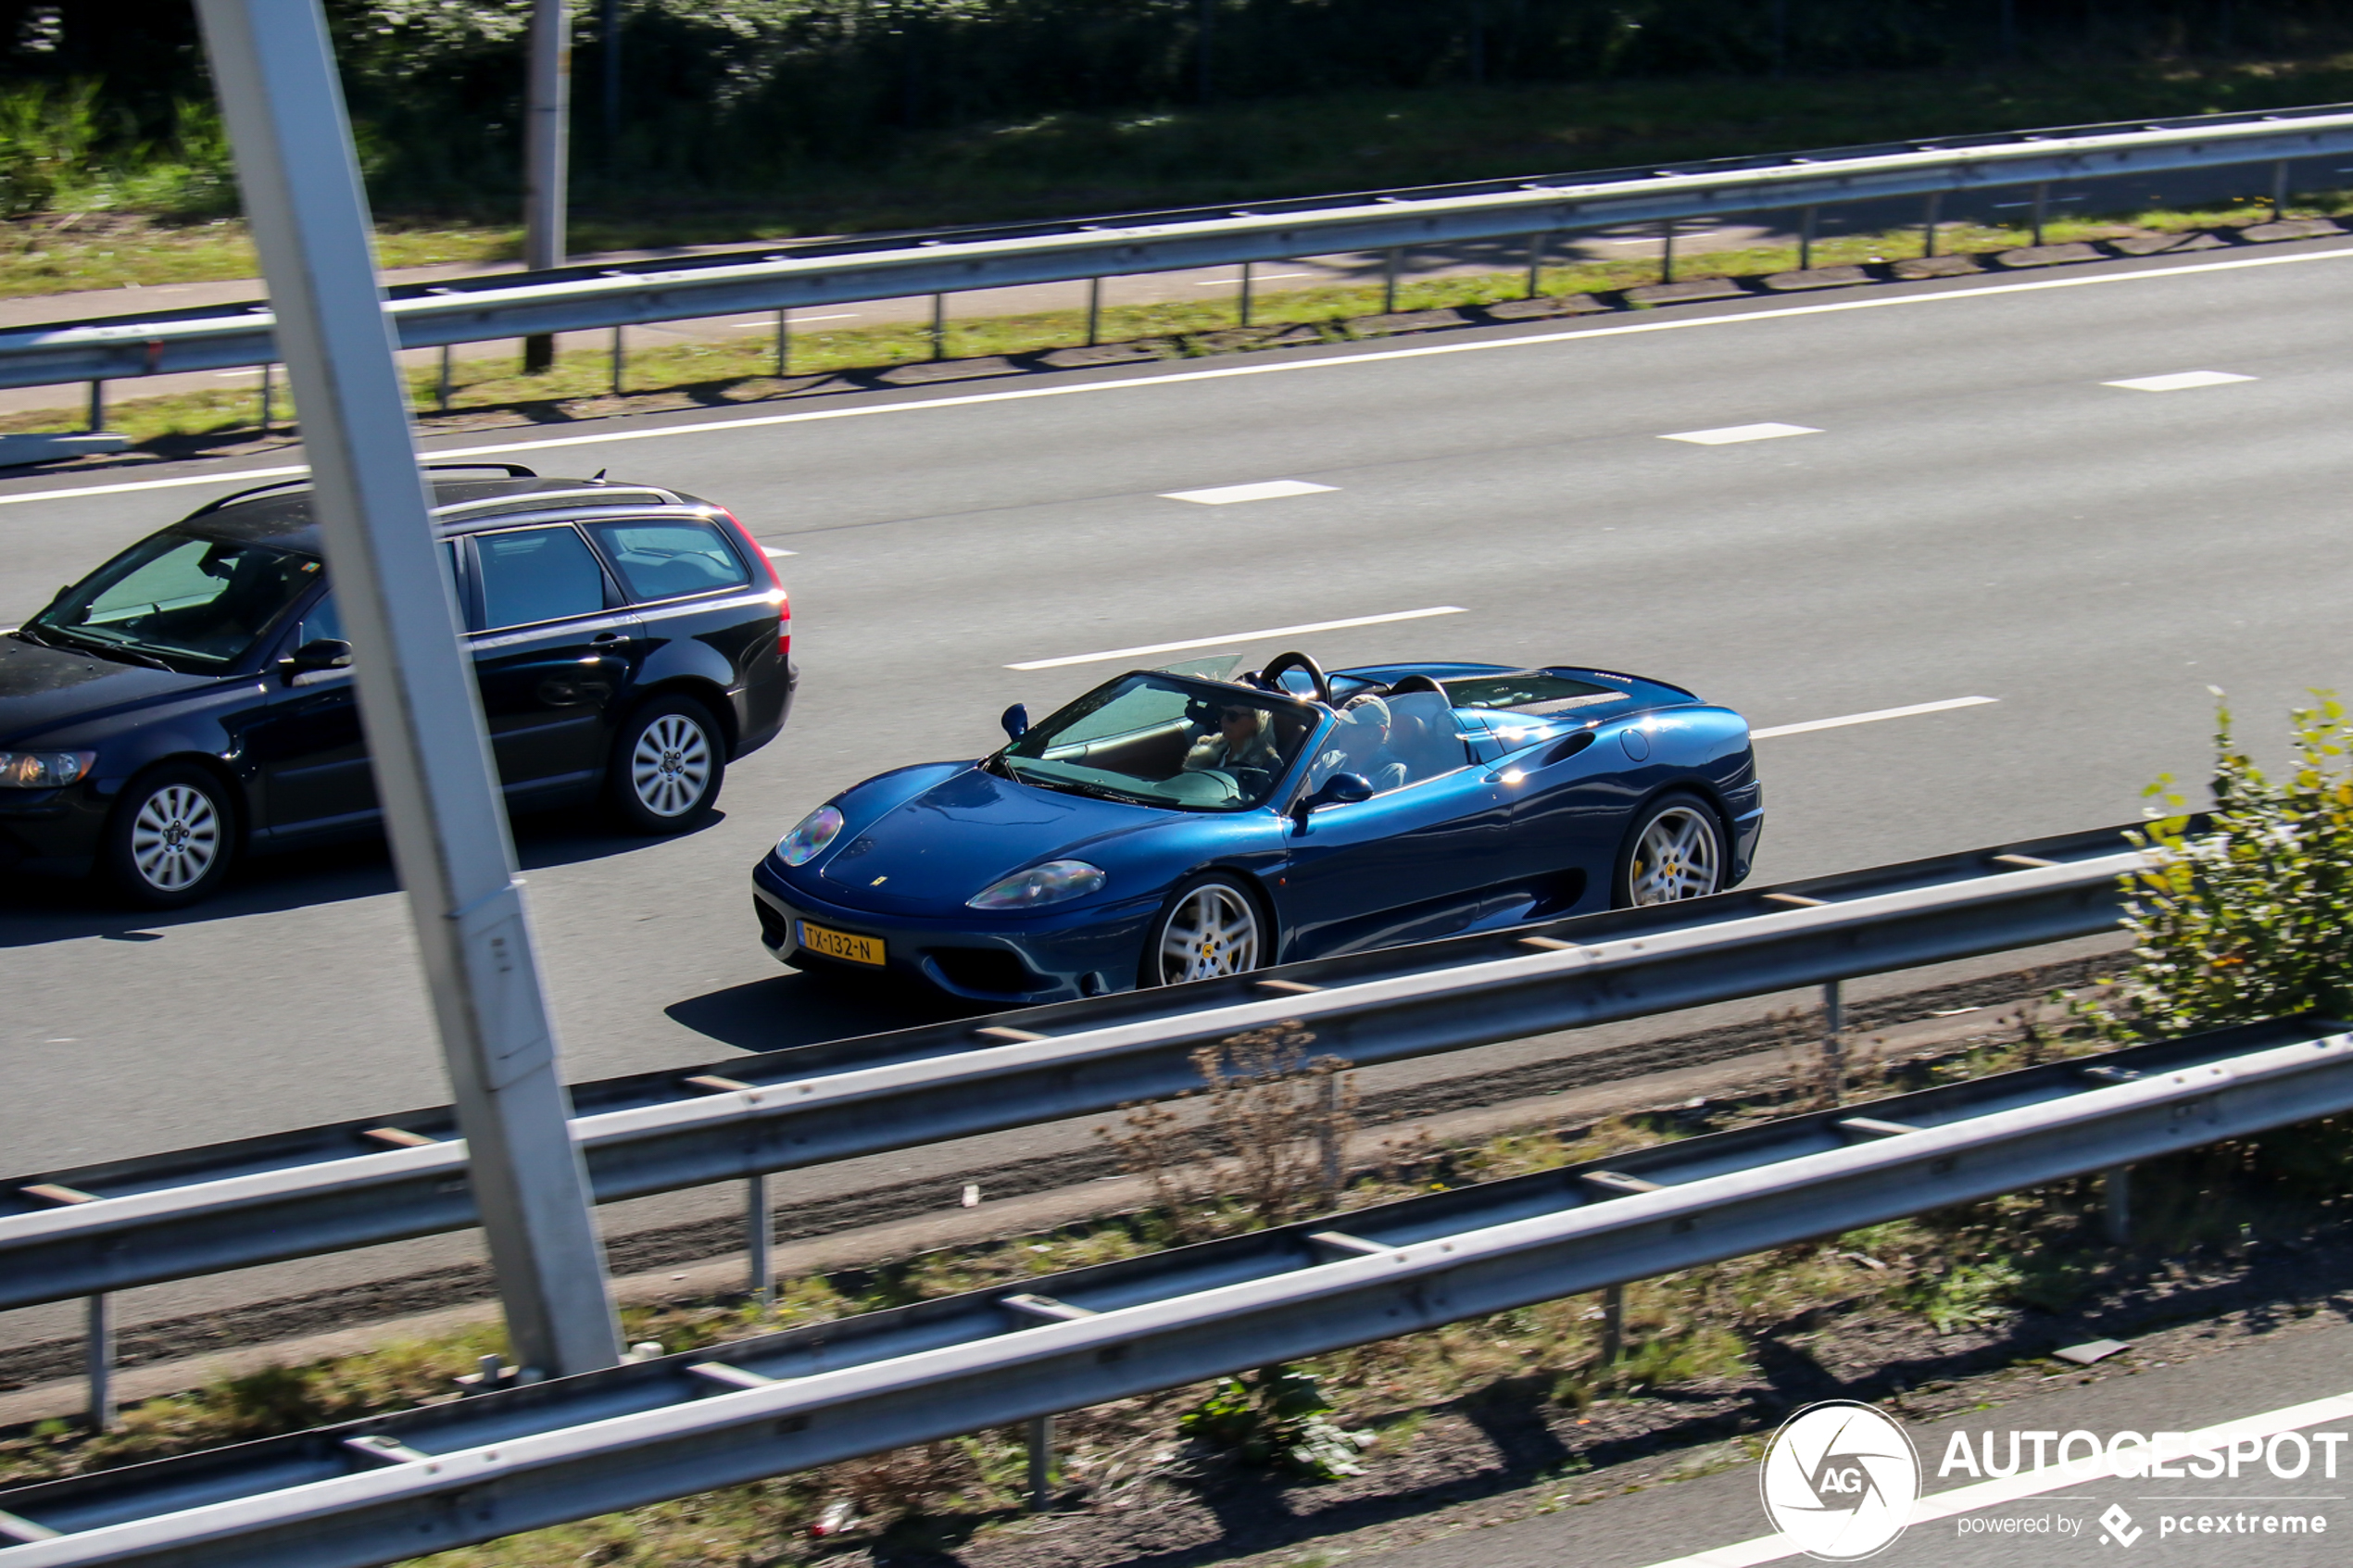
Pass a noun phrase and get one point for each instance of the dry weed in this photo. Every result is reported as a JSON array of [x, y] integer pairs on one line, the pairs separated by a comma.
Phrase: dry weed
[[1271, 1143]]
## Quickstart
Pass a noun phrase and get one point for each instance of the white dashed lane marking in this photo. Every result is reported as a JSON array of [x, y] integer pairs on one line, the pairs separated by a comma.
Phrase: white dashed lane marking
[[1267, 490], [1730, 434], [1232, 637], [1871, 718], [2180, 382], [773, 554]]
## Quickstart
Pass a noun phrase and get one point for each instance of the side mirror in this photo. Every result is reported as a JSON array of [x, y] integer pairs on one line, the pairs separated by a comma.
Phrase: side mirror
[[1340, 789], [1016, 721], [319, 653]]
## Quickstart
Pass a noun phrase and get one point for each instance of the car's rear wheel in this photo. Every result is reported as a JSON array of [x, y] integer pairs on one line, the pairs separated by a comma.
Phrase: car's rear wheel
[[668, 763], [1211, 926], [1674, 851], [171, 837]]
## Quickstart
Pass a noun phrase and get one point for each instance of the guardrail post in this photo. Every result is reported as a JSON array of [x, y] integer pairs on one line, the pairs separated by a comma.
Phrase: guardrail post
[[1041, 1463], [1805, 238], [1927, 227], [1389, 280], [1328, 1136], [1613, 1323], [98, 405], [2279, 190], [783, 340], [1834, 1042], [1666, 251], [2116, 1197], [1246, 268], [98, 1352], [267, 388], [939, 326], [299, 173], [1094, 311], [2042, 207], [620, 360], [1535, 265], [759, 1233], [441, 385]]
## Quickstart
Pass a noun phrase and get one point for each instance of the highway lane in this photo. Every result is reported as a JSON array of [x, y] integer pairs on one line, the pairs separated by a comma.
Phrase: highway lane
[[1976, 515]]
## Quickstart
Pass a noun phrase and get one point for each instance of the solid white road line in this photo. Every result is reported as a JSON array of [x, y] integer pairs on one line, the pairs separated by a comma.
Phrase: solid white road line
[[2050, 1478], [1227, 494], [2180, 382], [1871, 718], [1278, 368], [1730, 434], [776, 555], [1272, 632]]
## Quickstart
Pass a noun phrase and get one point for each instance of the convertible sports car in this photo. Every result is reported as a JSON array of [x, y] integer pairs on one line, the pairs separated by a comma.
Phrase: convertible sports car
[[1175, 824]]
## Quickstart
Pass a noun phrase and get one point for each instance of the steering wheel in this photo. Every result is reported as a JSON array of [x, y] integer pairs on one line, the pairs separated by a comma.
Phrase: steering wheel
[[1272, 676]]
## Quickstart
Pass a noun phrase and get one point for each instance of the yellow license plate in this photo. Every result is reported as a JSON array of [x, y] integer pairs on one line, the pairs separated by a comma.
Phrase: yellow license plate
[[841, 944]]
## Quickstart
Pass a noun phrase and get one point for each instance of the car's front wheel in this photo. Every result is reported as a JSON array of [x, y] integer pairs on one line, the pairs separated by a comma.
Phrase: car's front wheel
[[668, 763], [1674, 850], [1210, 927], [171, 837]]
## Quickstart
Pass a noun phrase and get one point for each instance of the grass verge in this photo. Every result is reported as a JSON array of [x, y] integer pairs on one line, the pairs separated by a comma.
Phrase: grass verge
[[1984, 1275]]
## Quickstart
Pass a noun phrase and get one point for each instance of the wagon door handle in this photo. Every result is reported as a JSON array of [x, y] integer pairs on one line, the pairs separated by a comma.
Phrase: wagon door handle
[[606, 637]]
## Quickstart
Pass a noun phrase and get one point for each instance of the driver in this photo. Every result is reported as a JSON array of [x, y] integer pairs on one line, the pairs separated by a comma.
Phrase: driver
[[1241, 741]]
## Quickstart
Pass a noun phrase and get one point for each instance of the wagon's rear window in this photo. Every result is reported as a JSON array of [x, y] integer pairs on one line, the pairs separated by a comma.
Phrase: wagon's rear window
[[1532, 693]]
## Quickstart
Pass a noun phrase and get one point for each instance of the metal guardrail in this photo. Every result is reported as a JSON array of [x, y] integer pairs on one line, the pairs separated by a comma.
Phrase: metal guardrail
[[96, 1229], [426, 1480], [946, 261]]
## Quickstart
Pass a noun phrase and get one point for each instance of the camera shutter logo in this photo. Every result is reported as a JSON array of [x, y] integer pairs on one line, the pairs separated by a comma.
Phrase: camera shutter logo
[[1840, 1481]]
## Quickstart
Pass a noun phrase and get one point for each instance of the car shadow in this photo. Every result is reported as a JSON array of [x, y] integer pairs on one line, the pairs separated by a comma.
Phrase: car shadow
[[37, 909], [791, 1008]]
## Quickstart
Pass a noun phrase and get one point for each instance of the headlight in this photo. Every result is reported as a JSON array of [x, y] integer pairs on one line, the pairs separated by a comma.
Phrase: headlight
[[1039, 885], [808, 838], [42, 770]]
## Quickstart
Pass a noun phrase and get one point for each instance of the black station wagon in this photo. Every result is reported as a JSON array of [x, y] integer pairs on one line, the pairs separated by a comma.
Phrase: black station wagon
[[192, 699]]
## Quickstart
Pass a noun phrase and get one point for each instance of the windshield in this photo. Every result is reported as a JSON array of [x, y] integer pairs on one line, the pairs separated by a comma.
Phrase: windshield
[[1161, 740], [179, 597]]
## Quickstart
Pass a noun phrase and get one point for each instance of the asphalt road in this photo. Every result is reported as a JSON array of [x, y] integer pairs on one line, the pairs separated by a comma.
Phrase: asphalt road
[[1973, 514]]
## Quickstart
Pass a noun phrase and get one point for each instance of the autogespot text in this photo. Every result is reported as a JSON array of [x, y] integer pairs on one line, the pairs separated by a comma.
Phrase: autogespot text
[[2288, 1455]]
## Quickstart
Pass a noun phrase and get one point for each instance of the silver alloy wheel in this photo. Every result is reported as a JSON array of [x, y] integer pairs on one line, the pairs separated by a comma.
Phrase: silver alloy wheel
[[1679, 856], [669, 766], [1212, 931], [175, 838]]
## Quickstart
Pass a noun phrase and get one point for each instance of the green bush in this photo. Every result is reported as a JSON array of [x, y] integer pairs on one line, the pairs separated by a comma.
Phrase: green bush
[[67, 148], [1275, 1417], [2250, 919]]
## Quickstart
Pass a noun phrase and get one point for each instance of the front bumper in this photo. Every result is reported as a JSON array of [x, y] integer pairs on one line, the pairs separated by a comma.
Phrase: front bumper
[[1083, 951], [51, 832]]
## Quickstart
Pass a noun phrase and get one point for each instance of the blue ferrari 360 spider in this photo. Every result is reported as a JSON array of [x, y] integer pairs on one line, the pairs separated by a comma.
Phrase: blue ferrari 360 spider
[[1175, 824]]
